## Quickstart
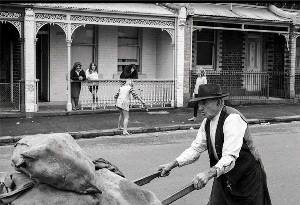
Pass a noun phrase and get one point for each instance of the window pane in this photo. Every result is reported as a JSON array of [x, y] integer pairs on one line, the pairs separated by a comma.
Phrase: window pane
[[128, 47], [204, 53]]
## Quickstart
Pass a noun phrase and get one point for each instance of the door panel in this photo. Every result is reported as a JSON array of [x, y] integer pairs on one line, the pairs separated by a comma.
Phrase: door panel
[[252, 82]]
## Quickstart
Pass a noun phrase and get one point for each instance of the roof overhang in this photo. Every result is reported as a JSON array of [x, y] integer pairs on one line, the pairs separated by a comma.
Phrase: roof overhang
[[147, 9], [238, 17]]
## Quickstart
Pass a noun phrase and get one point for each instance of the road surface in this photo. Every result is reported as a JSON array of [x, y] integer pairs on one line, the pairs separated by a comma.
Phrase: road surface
[[140, 154]]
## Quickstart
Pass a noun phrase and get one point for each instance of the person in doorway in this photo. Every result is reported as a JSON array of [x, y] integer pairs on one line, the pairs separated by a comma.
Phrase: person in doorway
[[235, 164], [201, 80], [129, 72], [77, 74], [133, 72], [92, 75], [122, 103]]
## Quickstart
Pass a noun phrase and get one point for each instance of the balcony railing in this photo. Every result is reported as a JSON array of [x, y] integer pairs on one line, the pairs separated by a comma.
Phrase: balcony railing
[[155, 93]]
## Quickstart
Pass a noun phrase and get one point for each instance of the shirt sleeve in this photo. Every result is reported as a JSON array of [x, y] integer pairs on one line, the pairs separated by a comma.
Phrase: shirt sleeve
[[198, 146], [234, 130]]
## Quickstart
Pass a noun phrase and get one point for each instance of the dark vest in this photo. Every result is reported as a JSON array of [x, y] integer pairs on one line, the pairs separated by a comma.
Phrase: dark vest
[[248, 156]]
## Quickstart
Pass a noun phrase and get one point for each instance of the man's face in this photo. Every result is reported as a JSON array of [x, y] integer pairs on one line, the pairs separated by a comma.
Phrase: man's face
[[209, 108]]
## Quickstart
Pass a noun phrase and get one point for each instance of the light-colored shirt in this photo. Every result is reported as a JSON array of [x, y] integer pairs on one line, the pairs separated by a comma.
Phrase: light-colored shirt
[[199, 81], [234, 129], [91, 76]]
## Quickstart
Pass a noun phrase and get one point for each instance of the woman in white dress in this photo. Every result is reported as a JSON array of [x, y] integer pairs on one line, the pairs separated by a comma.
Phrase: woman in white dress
[[123, 101], [92, 75]]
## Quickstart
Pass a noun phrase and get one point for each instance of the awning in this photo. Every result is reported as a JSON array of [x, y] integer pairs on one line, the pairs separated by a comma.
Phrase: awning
[[237, 11]]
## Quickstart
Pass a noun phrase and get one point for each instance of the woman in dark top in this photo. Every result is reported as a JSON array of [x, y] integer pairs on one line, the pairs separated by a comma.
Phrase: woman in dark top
[[129, 72], [77, 74]]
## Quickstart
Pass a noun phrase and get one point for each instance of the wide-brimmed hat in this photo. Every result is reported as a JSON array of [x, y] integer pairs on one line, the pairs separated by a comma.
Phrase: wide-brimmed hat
[[209, 91]]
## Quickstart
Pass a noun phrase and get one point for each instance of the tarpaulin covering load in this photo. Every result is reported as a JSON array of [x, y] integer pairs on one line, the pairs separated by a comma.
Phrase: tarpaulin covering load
[[52, 169], [41, 194], [117, 190], [57, 160]]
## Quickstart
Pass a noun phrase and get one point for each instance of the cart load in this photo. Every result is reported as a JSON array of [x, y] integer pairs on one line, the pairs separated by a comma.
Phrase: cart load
[[53, 169]]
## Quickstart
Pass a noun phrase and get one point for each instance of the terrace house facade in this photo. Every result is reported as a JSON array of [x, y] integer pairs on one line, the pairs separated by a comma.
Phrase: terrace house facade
[[252, 51]]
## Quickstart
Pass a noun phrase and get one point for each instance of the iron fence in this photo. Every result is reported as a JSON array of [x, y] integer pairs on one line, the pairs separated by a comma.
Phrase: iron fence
[[297, 85], [100, 94], [10, 96], [248, 86]]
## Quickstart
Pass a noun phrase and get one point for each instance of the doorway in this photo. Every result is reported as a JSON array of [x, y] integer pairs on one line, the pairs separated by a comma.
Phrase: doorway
[[252, 80], [42, 64]]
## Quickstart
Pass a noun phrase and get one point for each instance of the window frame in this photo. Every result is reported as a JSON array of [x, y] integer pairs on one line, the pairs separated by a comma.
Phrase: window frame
[[213, 55], [138, 51]]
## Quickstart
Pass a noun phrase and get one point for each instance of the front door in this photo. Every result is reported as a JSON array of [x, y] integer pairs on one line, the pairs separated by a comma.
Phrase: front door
[[42, 64], [252, 79]]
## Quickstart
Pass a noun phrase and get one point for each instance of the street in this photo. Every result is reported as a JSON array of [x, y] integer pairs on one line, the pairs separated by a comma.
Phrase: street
[[140, 154]]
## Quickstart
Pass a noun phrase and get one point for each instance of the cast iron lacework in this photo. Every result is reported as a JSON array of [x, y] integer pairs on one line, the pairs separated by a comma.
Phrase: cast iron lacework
[[75, 26], [170, 32], [40, 24], [64, 27], [18, 26], [50, 16], [158, 23], [13, 15]]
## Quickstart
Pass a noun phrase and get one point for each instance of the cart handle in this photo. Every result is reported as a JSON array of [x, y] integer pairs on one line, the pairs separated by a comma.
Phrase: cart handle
[[147, 179], [184, 191]]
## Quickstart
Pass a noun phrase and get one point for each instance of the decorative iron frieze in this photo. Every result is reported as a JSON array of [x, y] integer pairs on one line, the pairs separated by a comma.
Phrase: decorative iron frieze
[[294, 35], [128, 21], [18, 26], [50, 16], [287, 38], [64, 27], [75, 26], [9, 15], [39, 25], [171, 32]]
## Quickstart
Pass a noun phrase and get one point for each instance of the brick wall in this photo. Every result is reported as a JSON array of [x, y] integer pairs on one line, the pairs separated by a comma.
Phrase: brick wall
[[275, 49], [232, 51], [233, 56]]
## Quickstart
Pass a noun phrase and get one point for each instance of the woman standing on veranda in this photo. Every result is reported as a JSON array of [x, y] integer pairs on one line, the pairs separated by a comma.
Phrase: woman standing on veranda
[[92, 75], [77, 74], [123, 101], [201, 79]]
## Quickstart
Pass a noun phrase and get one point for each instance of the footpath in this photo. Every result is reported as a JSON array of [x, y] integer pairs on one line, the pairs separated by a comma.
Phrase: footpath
[[95, 124]]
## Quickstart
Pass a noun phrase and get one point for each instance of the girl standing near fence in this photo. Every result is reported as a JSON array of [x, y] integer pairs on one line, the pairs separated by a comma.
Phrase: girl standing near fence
[[123, 101], [201, 79], [92, 75]]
